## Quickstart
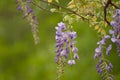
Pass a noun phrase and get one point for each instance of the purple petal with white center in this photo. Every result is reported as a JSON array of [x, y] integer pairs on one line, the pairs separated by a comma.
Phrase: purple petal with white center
[[97, 50], [108, 49], [96, 55], [63, 53], [103, 41], [71, 62], [74, 50], [29, 10], [111, 32], [113, 39], [113, 24], [62, 26], [72, 35], [110, 64], [118, 12], [76, 56], [19, 8], [107, 36]]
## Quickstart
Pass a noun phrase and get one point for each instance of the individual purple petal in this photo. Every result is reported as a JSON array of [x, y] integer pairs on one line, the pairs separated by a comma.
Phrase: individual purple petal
[[116, 31], [65, 37], [103, 41], [71, 62], [19, 8], [118, 42], [67, 50], [118, 12], [113, 39], [107, 36], [63, 53], [108, 49], [110, 64], [111, 32], [97, 50], [62, 25], [96, 55], [58, 33], [99, 70], [72, 35], [35, 19], [76, 56], [108, 68], [29, 10], [74, 50], [113, 24]]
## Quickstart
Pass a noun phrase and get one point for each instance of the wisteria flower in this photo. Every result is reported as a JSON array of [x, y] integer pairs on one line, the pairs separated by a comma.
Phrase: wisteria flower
[[65, 43]]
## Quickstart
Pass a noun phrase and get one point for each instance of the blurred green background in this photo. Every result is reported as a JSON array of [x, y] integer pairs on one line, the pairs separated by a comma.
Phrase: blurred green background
[[21, 59]]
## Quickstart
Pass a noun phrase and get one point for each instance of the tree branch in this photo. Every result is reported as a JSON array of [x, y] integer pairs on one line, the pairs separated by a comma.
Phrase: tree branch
[[109, 2]]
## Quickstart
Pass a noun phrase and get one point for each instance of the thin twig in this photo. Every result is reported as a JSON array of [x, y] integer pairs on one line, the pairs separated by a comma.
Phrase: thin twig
[[39, 6], [49, 10], [105, 11], [60, 6]]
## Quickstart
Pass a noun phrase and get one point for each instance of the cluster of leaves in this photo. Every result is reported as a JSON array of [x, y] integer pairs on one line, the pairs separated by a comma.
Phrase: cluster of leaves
[[98, 14]]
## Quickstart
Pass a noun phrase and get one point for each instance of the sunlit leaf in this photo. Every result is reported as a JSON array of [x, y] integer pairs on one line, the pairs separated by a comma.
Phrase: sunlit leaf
[[57, 1], [96, 27], [99, 30], [53, 10], [71, 6], [49, 1], [103, 32]]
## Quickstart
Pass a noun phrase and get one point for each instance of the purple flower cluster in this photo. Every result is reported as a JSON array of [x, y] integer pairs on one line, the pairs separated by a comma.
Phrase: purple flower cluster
[[29, 14], [114, 36], [65, 43], [115, 32], [104, 70], [103, 66], [99, 50]]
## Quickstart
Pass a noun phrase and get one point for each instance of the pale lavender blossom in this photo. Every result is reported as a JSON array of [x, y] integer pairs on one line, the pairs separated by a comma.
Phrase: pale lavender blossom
[[72, 35], [113, 23], [76, 56], [19, 8], [29, 10], [74, 50], [111, 32], [113, 40], [65, 43], [71, 62], [29, 14], [115, 32], [108, 49]]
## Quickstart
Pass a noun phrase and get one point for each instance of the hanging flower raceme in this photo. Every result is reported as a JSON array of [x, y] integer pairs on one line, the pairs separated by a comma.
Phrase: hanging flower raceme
[[115, 32], [29, 14], [65, 44], [104, 67]]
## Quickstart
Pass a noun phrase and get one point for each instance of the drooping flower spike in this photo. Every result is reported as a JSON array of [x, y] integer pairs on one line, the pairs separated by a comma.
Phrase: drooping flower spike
[[115, 31], [28, 13], [104, 67], [65, 43]]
